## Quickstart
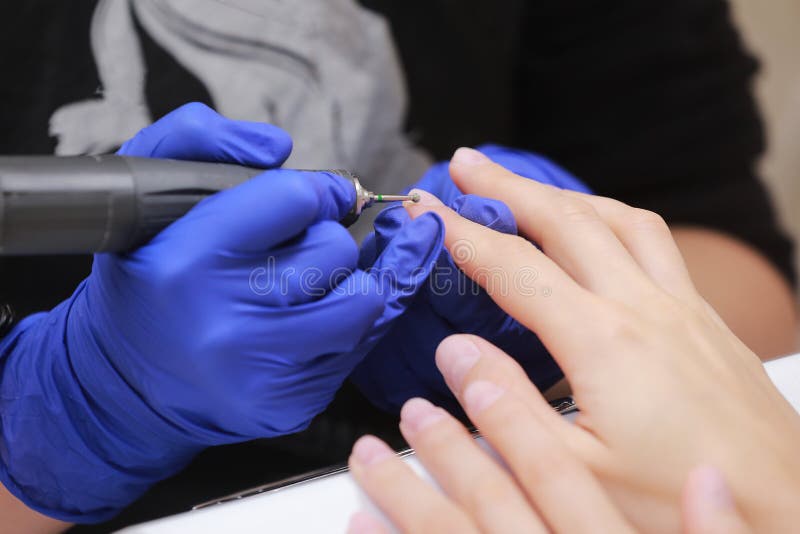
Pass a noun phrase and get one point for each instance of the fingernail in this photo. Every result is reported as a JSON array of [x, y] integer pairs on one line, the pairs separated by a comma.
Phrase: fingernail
[[418, 414], [425, 198], [712, 490], [455, 356], [481, 394], [369, 450], [427, 201], [363, 522], [468, 157]]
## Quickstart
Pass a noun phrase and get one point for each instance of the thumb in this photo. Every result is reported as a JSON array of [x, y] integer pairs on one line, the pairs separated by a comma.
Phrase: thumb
[[709, 506], [457, 298], [388, 224], [404, 267]]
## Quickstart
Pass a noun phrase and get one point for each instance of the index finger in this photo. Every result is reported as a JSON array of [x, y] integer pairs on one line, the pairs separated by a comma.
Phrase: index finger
[[271, 208], [569, 230]]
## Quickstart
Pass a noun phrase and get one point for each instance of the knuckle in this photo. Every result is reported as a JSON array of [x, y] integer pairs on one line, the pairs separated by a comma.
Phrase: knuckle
[[192, 123], [621, 328], [647, 220], [543, 460], [574, 209], [193, 118], [506, 415], [515, 245], [677, 315], [547, 464]]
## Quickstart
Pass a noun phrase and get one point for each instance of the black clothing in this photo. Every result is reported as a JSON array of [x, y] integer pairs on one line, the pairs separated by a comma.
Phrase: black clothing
[[648, 102]]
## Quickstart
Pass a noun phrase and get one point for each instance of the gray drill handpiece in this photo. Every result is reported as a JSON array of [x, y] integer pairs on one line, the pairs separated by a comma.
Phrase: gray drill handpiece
[[86, 204]]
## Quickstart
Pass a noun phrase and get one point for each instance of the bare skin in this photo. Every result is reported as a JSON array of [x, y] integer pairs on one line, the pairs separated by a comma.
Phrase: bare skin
[[624, 320], [546, 489], [18, 518], [750, 295]]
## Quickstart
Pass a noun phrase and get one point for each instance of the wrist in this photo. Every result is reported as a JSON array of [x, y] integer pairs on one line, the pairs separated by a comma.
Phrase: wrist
[[78, 444]]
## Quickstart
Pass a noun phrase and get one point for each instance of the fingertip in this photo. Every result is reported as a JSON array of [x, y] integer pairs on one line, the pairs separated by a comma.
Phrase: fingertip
[[424, 205], [425, 198], [418, 414], [468, 157], [275, 145], [455, 356], [453, 222], [363, 522], [370, 450], [195, 120], [440, 212], [255, 144], [336, 191], [301, 192], [470, 169]]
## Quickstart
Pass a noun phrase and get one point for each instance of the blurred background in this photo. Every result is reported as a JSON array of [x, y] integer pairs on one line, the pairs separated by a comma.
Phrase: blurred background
[[772, 32]]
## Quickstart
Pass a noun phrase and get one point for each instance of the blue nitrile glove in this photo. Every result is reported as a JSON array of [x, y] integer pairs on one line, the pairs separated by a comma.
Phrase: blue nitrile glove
[[238, 321], [402, 365]]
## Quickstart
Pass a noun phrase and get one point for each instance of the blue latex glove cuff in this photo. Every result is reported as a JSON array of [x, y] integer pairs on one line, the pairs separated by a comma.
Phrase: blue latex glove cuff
[[56, 430]]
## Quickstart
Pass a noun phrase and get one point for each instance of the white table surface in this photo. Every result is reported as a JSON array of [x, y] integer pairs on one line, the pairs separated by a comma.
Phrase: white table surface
[[326, 505]]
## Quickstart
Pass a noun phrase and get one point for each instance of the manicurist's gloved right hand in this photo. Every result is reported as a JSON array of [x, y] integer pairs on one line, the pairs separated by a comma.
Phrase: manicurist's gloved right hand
[[238, 321]]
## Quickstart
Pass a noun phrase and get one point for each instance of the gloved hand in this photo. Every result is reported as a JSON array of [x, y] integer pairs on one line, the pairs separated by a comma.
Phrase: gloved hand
[[238, 321], [402, 365]]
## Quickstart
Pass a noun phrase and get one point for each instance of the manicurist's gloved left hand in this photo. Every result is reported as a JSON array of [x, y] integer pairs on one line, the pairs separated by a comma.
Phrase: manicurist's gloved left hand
[[238, 321], [402, 365]]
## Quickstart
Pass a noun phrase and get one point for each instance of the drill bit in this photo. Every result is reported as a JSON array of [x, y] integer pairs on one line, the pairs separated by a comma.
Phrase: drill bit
[[395, 198], [366, 198]]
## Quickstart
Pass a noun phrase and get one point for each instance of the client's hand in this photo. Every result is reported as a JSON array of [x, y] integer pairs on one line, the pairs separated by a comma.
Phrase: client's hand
[[401, 365], [662, 383], [544, 488]]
